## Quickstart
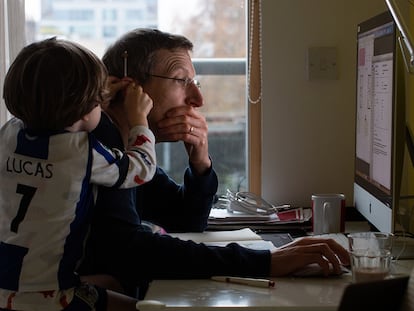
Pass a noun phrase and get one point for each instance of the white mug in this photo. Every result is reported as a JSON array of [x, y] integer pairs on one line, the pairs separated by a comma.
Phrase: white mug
[[328, 213]]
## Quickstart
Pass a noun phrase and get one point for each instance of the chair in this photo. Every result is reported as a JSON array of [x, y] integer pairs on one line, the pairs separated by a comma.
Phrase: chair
[[408, 300], [384, 295]]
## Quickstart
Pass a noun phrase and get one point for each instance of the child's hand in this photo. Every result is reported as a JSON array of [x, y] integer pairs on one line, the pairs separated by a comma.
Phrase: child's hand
[[137, 105], [114, 85]]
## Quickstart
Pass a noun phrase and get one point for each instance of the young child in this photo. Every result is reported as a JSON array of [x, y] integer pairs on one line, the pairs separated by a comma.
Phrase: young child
[[49, 164]]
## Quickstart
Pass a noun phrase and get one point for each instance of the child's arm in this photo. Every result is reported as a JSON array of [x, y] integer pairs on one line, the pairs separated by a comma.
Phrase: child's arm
[[135, 166], [138, 164]]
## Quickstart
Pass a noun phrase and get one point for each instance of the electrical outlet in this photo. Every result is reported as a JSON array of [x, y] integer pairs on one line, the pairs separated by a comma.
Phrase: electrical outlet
[[322, 63]]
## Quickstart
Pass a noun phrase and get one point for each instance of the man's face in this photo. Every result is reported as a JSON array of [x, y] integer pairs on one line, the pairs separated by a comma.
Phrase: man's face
[[168, 93]]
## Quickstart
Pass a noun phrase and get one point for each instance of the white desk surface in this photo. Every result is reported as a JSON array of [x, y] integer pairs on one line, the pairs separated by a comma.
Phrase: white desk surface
[[289, 293]]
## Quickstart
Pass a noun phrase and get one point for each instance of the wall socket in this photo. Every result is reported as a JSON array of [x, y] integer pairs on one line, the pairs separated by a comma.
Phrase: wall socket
[[322, 63]]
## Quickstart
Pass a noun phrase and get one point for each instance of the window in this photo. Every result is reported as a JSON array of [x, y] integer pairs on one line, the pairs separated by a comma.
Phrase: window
[[72, 15], [134, 14], [218, 30], [109, 14], [109, 31]]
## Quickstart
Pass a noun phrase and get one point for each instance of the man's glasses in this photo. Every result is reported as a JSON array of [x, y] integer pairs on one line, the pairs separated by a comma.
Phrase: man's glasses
[[185, 81]]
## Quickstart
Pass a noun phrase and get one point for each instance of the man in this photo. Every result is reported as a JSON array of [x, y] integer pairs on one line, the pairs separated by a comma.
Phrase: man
[[119, 245]]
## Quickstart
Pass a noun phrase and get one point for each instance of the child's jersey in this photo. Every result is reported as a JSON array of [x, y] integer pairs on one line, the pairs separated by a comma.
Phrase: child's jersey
[[45, 197]]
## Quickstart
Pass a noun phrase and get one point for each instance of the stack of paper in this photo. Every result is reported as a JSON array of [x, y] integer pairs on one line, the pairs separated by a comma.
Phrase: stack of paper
[[244, 237], [296, 215]]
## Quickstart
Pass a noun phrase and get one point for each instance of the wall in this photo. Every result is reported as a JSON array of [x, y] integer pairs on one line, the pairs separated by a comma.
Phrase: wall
[[308, 126]]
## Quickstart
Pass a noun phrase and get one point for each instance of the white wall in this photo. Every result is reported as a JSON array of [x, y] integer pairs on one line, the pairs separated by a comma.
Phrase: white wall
[[308, 126]]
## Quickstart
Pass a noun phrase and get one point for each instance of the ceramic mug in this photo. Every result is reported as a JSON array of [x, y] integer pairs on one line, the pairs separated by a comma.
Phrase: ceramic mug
[[328, 213]]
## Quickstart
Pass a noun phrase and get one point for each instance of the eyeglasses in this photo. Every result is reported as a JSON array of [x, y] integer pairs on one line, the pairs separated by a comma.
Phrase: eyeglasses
[[185, 81]]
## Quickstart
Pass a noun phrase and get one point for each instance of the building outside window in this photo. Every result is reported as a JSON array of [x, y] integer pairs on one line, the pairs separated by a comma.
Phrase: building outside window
[[218, 30]]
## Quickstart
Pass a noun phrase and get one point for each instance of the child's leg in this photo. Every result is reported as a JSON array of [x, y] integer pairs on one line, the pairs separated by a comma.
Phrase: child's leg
[[118, 302], [88, 297], [104, 281]]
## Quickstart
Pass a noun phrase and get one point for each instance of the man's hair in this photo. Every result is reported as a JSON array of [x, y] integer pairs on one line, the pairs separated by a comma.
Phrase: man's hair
[[141, 45], [53, 83]]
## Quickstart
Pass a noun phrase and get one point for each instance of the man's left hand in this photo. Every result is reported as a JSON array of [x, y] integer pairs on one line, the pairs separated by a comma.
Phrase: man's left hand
[[190, 126]]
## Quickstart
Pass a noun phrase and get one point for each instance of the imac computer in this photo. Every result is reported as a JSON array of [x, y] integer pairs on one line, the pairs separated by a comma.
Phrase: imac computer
[[380, 122]]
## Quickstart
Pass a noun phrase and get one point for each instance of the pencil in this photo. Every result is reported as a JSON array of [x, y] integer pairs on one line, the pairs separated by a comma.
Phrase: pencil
[[244, 281], [125, 57]]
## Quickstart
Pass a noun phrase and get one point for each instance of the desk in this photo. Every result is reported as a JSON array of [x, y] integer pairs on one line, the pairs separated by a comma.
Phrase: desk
[[288, 294]]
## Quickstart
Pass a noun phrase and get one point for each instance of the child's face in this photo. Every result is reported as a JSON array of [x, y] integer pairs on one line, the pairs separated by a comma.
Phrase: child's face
[[93, 118]]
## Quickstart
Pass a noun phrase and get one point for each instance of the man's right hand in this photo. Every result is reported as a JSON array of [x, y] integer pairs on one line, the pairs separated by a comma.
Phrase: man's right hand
[[326, 253]]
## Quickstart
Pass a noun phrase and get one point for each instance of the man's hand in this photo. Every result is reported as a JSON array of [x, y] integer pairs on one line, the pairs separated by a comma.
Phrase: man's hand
[[294, 256], [188, 125]]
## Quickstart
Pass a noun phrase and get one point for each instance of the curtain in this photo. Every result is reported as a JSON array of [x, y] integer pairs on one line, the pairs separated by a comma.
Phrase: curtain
[[12, 40]]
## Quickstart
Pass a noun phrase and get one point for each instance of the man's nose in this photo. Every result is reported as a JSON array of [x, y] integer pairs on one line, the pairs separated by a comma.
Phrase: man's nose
[[194, 98]]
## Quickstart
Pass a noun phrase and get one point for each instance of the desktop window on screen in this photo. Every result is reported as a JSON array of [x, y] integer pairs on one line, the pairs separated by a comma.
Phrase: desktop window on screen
[[375, 107]]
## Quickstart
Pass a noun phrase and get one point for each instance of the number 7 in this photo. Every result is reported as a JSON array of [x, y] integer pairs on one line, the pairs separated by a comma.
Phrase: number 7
[[28, 193]]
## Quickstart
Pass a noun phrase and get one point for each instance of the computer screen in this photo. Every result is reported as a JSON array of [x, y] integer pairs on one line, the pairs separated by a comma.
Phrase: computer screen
[[374, 125]]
